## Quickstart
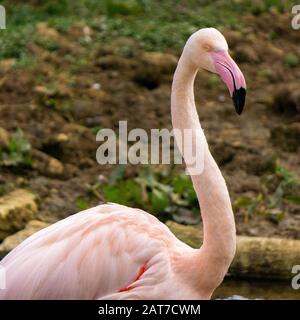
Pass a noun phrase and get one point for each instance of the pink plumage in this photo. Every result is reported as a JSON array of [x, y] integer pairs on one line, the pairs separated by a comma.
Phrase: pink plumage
[[93, 254]]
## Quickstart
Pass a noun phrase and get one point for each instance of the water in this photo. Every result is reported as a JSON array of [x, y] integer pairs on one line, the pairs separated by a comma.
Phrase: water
[[268, 290]]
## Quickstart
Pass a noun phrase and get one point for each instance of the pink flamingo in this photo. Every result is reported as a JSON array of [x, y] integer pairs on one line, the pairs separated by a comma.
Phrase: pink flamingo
[[115, 252]]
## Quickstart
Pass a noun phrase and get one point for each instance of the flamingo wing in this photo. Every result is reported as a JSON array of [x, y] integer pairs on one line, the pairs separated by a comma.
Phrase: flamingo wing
[[106, 251]]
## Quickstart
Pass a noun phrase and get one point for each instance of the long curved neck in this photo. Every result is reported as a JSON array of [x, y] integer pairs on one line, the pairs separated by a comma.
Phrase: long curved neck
[[212, 260]]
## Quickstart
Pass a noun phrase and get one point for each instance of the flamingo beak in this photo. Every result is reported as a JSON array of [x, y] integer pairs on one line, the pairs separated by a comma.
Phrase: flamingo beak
[[233, 77]]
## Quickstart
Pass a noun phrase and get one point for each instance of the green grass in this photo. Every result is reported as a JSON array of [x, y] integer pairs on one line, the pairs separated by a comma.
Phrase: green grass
[[47, 44], [291, 60], [157, 25], [82, 204], [17, 153], [25, 61]]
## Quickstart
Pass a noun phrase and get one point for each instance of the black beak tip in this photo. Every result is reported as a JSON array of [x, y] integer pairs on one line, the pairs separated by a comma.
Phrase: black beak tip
[[239, 97]]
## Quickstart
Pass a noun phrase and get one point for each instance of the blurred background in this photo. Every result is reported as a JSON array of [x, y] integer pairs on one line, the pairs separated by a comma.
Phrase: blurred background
[[70, 68]]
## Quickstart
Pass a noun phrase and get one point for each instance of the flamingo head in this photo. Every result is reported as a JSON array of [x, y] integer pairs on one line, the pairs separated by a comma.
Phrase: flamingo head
[[208, 49]]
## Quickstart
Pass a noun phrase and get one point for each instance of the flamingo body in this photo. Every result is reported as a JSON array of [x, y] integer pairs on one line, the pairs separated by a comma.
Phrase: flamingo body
[[72, 259]]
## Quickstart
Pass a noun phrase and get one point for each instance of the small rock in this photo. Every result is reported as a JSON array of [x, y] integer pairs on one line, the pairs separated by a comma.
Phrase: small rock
[[16, 209], [20, 181], [4, 138], [55, 167], [102, 179], [6, 65], [44, 91], [254, 232], [45, 31], [14, 240], [62, 137], [79, 30], [96, 86], [221, 98], [47, 165]]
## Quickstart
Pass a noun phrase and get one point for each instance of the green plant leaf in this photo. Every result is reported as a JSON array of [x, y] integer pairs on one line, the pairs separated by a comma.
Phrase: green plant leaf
[[159, 201], [126, 192], [82, 204], [18, 151]]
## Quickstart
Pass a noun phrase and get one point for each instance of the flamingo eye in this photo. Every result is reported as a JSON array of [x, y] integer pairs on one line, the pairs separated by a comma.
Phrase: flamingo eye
[[207, 47]]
